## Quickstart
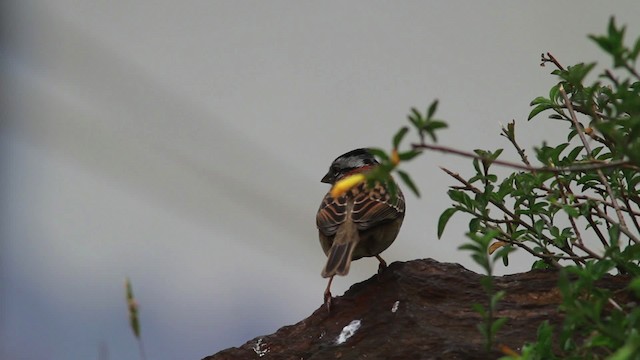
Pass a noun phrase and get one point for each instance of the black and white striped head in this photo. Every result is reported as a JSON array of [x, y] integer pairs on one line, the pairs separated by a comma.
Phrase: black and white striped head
[[351, 162]]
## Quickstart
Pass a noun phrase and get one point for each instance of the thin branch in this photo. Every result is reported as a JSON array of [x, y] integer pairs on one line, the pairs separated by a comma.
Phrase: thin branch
[[594, 165], [587, 250], [626, 209], [550, 257], [611, 221], [512, 139], [632, 70], [625, 198], [589, 218], [587, 147], [611, 77], [595, 228], [506, 237], [563, 194], [504, 209], [550, 58]]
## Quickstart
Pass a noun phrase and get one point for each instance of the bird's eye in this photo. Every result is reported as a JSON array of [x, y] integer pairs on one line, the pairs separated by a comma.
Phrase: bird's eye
[[335, 169]]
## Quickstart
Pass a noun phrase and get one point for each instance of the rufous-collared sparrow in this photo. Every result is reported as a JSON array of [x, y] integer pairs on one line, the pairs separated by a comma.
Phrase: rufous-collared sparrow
[[362, 222]]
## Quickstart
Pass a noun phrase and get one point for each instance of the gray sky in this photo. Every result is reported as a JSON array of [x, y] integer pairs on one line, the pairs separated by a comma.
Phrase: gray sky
[[182, 143]]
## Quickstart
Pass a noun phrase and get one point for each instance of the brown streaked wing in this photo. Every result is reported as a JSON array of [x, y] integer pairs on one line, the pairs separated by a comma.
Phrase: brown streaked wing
[[373, 207], [331, 214]]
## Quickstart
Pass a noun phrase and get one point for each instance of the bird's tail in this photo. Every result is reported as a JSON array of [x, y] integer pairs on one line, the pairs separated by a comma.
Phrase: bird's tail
[[339, 257]]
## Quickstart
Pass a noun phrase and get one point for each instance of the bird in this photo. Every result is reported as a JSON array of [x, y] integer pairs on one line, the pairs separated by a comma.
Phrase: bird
[[362, 222]]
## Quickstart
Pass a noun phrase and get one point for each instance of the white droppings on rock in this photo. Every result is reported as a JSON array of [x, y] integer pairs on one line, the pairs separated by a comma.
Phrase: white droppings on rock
[[394, 308], [259, 350], [348, 331]]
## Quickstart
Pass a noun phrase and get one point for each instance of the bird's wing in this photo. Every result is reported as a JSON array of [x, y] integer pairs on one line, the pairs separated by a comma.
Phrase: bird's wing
[[370, 207], [374, 206], [332, 213]]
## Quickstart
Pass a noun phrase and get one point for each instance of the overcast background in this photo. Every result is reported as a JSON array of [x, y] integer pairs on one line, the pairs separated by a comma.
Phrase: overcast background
[[182, 143]]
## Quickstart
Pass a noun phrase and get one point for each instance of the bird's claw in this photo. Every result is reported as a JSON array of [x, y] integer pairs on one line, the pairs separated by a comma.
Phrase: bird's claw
[[327, 301], [382, 265]]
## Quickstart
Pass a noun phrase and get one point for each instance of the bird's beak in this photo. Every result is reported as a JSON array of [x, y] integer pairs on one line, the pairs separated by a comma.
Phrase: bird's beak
[[329, 178]]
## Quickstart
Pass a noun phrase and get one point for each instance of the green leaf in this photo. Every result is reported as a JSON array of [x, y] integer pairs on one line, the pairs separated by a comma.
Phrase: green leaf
[[540, 264], [636, 50], [491, 178], [455, 195], [503, 253], [634, 285], [431, 126], [133, 309], [476, 165], [554, 93], [479, 309], [539, 100], [555, 152], [624, 353], [497, 324], [432, 109], [496, 154], [474, 225], [416, 119], [575, 74], [538, 109], [461, 198], [407, 180], [399, 135], [505, 188], [495, 298], [408, 155], [542, 104], [613, 43], [538, 226], [444, 218], [574, 153], [381, 154], [571, 211], [470, 247], [392, 187]]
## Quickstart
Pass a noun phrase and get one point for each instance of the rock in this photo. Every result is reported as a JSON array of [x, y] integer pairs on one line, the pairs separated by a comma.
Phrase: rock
[[419, 309]]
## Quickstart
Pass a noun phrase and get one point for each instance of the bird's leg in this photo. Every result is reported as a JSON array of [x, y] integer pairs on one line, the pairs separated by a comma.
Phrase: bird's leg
[[382, 266], [327, 295]]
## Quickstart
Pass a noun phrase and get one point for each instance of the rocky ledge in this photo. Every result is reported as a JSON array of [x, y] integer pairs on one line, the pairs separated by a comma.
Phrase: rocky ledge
[[419, 309]]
